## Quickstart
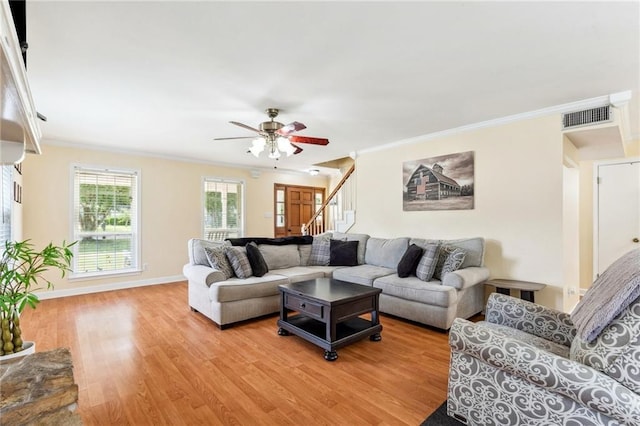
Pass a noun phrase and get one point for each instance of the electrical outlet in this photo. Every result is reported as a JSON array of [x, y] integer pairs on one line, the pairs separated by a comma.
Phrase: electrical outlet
[[145, 266]]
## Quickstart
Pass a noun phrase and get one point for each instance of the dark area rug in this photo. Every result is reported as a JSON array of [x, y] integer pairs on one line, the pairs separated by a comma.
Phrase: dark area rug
[[440, 418]]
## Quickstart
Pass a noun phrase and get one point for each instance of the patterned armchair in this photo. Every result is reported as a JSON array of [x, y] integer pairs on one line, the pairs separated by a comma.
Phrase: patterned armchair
[[528, 365]]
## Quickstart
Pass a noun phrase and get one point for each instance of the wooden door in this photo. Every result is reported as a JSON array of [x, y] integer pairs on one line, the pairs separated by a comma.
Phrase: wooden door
[[294, 207], [299, 207]]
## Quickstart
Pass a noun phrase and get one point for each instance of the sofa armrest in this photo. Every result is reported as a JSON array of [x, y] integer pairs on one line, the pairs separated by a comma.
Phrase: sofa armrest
[[583, 384], [466, 277], [531, 318], [202, 274]]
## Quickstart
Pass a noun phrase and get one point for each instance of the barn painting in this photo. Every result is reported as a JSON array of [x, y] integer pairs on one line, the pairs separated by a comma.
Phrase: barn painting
[[439, 183]]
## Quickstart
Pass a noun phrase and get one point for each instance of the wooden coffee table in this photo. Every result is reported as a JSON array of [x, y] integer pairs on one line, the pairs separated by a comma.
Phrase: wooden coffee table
[[328, 313]]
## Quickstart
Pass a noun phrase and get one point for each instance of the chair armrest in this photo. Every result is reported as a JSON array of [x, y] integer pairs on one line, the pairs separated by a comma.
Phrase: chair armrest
[[529, 317], [466, 277], [583, 384], [202, 274]]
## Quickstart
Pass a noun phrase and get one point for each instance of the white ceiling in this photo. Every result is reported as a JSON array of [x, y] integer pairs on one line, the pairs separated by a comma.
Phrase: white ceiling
[[167, 77]]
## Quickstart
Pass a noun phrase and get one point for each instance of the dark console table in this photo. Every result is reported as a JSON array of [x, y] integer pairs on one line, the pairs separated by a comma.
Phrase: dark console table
[[328, 313], [527, 288]]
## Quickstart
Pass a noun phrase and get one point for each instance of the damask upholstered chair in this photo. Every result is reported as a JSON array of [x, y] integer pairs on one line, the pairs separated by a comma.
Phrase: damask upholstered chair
[[530, 365]]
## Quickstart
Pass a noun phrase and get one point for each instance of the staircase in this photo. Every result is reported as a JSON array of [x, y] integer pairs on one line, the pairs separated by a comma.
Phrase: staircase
[[338, 212]]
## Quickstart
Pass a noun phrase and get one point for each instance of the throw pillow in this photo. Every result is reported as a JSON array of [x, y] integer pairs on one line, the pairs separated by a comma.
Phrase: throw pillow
[[218, 260], [320, 250], [449, 260], [428, 261], [343, 253], [409, 262], [239, 261], [256, 260]]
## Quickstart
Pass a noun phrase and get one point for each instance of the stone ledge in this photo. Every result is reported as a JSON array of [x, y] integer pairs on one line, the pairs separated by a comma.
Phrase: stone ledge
[[39, 389]]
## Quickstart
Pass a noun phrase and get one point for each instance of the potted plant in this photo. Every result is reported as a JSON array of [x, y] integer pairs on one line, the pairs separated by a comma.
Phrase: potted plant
[[21, 269]]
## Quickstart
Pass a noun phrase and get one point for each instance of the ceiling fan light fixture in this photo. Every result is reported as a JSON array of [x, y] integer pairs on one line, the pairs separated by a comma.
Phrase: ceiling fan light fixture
[[276, 138], [258, 147], [285, 146], [274, 153]]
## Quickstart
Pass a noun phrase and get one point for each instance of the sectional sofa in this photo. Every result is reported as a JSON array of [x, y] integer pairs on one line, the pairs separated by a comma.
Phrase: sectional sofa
[[227, 299]]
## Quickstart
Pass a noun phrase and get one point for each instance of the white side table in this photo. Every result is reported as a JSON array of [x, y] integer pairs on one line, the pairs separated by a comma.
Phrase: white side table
[[527, 288]]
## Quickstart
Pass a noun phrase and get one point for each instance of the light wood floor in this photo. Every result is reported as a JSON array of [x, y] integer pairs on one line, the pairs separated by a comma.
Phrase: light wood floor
[[142, 357]]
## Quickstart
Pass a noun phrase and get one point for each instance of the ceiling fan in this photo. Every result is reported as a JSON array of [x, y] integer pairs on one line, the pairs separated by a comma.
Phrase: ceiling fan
[[276, 137]]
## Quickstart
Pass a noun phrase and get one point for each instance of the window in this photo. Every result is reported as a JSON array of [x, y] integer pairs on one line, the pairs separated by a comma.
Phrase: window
[[105, 221], [280, 207], [223, 209]]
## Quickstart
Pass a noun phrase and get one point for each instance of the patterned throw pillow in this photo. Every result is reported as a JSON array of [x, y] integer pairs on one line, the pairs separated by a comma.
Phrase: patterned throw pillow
[[449, 260], [428, 262], [218, 260], [256, 260], [320, 250], [239, 261]]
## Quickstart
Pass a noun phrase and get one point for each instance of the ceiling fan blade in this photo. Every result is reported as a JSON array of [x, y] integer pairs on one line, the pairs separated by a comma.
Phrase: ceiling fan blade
[[309, 139], [298, 149], [245, 126], [239, 137], [290, 128]]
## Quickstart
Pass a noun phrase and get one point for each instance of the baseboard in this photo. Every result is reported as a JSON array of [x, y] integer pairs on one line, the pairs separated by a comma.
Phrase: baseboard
[[108, 287]]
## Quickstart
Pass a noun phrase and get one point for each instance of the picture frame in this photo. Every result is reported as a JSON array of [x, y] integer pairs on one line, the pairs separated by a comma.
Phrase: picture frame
[[445, 182]]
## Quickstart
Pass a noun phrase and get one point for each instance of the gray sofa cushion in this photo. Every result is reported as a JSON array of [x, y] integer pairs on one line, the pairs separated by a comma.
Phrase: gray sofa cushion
[[422, 242], [280, 257], [362, 242], [413, 288], [301, 273], [196, 250], [252, 287], [473, 248], [305, 254], [385, 252], [362, 274]]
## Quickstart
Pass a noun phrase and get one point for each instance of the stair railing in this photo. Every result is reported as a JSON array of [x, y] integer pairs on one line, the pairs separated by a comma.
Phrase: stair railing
[[317, 224]]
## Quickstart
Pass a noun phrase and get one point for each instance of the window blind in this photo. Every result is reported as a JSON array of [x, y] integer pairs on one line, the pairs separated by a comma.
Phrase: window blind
[[105, 209]]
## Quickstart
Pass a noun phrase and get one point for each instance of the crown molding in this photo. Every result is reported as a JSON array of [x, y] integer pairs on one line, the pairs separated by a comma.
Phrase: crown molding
[[557, 109], [148, 154]]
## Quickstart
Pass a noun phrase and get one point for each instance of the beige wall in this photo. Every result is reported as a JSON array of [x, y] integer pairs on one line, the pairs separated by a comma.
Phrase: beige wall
[[171, 206], [518, 199], [586, 224], [571, 224]]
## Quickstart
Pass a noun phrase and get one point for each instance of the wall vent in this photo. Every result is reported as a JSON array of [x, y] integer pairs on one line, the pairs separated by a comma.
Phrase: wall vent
[[586, 117]]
